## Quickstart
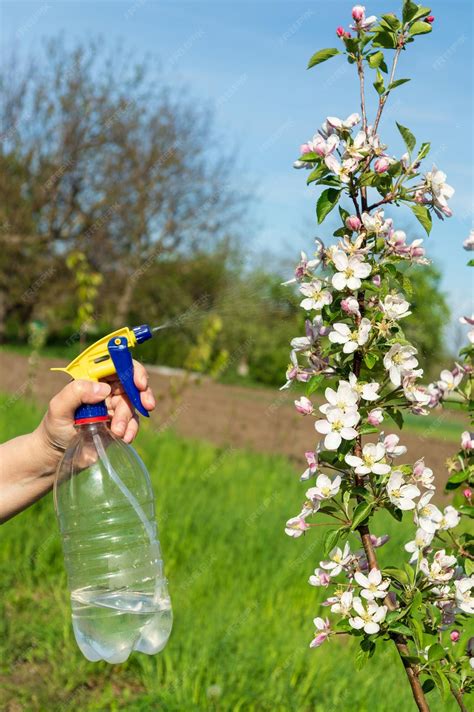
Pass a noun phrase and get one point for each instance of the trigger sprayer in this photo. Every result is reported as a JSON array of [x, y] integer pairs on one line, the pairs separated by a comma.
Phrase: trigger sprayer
[[105, 506]]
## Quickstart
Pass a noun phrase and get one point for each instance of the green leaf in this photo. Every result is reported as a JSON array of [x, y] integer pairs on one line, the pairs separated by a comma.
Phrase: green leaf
[[322, 56], [407, 136], [418, 633], [424, 150], [387, 40], [314, 384], [397, 83], [419, 28], [436, 652], [309, 157], [421, 12], [469, 566], [459, 477], [398, 627], [410, 573], [379, 85], [423, 216], [361, 512], [368, 430], [330, 540], [370, 359], [376, 60], [470, 263], [368, 178], [392, 21], [327, 201], [343, 213], [396, 415], [397, 574], [316, 173], [428, 685], [409, 11]]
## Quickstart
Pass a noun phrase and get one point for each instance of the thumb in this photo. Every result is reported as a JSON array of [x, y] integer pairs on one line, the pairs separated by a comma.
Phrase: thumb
[[75, 394]]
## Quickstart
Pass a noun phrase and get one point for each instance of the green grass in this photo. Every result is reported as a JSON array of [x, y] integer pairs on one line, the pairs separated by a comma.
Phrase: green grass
[[243, 610]]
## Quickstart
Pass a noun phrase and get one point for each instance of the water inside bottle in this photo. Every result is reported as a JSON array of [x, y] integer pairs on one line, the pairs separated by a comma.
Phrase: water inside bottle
[[109, 625]]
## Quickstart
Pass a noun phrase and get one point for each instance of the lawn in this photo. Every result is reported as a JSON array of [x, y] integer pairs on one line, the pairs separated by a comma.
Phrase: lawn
[[243, 610]]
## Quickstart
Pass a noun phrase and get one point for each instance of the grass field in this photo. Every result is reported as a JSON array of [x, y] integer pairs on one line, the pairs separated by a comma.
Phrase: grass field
[[243, 610]]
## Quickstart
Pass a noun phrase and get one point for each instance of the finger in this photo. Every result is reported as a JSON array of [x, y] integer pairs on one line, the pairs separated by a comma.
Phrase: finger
[[148, 399], [75, 394], [131, 431], [140, 375], [121, 417]]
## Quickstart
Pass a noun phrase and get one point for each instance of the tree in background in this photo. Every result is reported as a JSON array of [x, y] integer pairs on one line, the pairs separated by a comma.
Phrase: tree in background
[[111, 161]]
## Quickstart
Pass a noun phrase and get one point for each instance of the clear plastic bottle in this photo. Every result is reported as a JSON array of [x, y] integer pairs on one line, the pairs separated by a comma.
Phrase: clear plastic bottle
[[105, 506]]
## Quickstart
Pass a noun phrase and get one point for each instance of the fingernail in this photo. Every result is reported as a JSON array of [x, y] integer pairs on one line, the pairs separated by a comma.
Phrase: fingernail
[[100, 389], [120, 427]]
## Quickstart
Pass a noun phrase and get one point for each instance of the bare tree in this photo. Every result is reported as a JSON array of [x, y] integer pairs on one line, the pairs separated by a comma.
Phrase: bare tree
[[114, 162]]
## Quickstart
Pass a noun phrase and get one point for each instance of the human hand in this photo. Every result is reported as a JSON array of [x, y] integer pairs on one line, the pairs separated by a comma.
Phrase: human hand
[[57, 427]]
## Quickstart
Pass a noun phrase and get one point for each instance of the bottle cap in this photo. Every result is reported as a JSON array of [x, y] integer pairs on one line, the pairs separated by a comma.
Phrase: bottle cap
[[87, 413]]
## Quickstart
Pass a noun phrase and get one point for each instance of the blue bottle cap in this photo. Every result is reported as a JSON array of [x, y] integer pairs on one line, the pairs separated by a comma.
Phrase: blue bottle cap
[[87, 413]]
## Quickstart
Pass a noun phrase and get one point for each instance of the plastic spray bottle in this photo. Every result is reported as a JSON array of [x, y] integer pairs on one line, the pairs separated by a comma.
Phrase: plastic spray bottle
[[106, 511]]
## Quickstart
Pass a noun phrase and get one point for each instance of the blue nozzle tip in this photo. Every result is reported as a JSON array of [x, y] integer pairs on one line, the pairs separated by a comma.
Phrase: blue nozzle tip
[[142, 333]]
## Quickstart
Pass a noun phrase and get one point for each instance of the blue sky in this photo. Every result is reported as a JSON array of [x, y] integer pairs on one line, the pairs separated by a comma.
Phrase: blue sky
[[248, 59]]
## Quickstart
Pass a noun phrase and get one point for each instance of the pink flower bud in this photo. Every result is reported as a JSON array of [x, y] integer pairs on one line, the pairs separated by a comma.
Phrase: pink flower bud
[[467, 442], [375, 416], [304, 148], [353, 223], [340, 31], [430, 19], [377, 280], [347, 35], [304, 406], [350, 305], [455, 635], [382, 164], [467, 493], [358, 12]]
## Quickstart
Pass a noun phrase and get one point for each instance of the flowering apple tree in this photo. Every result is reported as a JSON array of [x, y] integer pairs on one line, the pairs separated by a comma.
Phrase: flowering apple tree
[[355, 293]]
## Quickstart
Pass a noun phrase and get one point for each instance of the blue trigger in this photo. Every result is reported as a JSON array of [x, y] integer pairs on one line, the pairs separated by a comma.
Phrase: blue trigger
[[122, 360]]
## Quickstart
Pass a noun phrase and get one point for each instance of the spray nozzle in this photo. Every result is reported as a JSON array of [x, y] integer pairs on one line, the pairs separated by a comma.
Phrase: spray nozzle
[[108, 356]]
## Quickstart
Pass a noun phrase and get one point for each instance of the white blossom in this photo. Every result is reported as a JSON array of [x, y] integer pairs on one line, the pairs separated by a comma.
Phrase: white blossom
[[399, 361], [351, 270], [423, 475], [367, 391], [368, 617], [464, 599], [338, 559], [392, 448], [316, 297], [427, 516], [345, 398], [395, 307], [400, 494], [320, 578], [351, 340], [324, 489], [439, 189], [372, 460], [372, 585], [337, 426], [441, 569], [421, 541], [340, 603], [449, 380], [450, 518]]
